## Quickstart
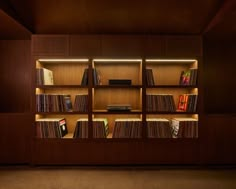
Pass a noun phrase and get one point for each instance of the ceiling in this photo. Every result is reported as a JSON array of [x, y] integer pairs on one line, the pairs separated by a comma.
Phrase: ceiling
[[120, 17]]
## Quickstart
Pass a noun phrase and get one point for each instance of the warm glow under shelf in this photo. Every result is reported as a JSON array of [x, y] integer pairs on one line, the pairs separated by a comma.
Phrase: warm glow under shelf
[[64, 60], [117, 60], [172, 60]]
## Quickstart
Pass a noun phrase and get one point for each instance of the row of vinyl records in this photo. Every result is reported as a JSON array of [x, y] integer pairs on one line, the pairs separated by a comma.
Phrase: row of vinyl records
[[123, 128], [154, 102], [165, 103], [61, 103], [45, 77], [187, 77]]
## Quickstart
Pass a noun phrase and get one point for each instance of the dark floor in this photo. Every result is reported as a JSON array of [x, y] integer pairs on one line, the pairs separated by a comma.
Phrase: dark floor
[[102, 177]]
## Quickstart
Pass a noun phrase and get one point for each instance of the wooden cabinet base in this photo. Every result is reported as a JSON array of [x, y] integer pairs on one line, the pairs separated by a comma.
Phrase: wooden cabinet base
[[114, 152]]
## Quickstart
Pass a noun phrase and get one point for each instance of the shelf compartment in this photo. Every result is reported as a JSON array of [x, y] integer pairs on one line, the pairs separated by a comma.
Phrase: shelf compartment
[[168, 71], [119, 69], [105, 96], [112, 118], [70, 119], [65, 71]]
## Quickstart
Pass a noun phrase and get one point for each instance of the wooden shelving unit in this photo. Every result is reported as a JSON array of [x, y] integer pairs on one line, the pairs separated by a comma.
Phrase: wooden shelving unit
[[68, 75], [122, 149]]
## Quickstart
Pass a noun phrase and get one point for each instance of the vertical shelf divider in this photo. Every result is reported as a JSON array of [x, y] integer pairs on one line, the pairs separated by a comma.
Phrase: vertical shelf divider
[[144, 116], [90, 101]]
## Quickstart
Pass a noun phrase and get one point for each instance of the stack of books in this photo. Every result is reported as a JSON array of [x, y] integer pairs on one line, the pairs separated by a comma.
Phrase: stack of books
[[149, 77]]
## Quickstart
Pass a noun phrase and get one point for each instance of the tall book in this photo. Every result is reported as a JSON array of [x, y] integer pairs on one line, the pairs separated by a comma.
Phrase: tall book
[[188, 77], [67, 103], [44, 76], [96, 77], [85, 79], [149, 77]]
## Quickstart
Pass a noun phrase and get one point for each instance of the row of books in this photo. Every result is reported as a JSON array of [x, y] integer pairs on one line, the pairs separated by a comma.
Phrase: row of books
[[51, 128], [123, 128], [81, 103], [160, 102], [100, 128], [61, 103], [149, 77], [158, 128], [127, 128], [157, 102], [166, 103], [57, 128]]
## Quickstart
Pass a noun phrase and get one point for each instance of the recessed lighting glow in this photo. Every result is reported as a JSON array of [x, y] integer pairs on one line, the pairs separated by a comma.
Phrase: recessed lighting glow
[[63, 60], [171, 60], [117, 60]]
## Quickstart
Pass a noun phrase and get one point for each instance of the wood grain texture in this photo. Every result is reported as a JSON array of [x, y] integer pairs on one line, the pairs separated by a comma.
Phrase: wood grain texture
[[15, 139], [15, 76]]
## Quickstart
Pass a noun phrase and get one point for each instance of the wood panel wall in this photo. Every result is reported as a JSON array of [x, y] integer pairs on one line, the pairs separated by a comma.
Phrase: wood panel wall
[[217, 122], [116, 46], [15, 101], [15, 77], [219, 101]]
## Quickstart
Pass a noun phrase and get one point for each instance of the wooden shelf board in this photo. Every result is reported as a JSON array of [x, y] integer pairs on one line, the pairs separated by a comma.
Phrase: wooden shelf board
[[49, 113], [117, 86], [60, 86]]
